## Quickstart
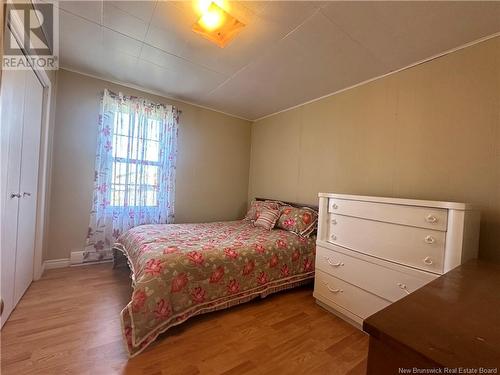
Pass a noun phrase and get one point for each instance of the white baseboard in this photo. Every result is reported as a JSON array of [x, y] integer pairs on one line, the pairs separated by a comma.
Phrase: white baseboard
[[56, 263], [91, 263], [76, 259]]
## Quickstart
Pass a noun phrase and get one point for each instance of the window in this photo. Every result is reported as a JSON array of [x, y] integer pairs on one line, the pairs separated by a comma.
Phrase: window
[[134, 179], [136, 165]]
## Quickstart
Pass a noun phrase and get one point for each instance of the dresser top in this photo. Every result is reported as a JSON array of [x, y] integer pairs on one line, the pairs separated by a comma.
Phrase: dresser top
[[401, 201], [452, 321]]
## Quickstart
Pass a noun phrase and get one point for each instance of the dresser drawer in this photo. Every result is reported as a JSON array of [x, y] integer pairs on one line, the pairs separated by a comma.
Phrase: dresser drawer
[[333, 291], [414, 247], [422, 217], [388, 283]]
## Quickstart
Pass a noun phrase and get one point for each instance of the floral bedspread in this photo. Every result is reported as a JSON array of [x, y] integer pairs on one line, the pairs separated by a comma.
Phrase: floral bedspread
[[181, 270]]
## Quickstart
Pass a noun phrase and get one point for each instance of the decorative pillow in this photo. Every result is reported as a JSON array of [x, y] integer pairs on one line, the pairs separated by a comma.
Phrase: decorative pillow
[[267, 219], [301, 221], [256, 207]]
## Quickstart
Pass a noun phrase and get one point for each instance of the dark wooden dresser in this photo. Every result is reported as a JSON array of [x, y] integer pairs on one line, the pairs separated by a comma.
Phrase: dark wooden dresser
[[451, 324]]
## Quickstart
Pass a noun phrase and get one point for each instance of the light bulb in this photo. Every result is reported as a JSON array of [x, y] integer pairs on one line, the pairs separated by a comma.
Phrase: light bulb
[[212, 19]]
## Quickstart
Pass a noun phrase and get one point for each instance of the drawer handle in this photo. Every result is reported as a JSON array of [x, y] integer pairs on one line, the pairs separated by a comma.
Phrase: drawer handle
[[334, 206], [338, 264], [333, 237], [430, 239], [334, 222], [428, 260], [404, 287], [338, 290], [431, 219]]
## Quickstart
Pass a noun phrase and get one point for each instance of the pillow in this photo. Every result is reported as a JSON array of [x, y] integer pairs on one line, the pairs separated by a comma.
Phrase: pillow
[[256, 207], [267, 218], [301, 221]]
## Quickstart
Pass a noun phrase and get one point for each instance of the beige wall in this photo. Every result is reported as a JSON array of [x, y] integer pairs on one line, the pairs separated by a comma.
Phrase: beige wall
[[212, 167], [429, 132]]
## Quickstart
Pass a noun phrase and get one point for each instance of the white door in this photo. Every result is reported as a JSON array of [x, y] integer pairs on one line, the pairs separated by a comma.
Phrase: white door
[[12, 102], [28, 186]]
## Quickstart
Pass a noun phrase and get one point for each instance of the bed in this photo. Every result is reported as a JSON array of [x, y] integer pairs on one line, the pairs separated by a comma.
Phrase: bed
[[182, 270]]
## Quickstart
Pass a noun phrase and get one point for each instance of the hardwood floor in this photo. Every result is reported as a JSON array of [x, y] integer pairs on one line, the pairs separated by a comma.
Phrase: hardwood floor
[[68, 323]]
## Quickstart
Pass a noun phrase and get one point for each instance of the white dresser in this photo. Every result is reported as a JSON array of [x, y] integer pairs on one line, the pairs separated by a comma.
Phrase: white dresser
[[372, 251]]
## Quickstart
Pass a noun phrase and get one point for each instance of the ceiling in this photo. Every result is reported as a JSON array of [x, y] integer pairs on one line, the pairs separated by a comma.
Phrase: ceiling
[[290, 52]]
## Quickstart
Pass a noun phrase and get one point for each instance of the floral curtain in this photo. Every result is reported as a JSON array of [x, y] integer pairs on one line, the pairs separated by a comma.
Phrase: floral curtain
[[135, 170]]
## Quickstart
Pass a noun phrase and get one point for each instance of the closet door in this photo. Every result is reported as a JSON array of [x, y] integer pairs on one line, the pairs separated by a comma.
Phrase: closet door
[[12, 102], [28, 186]]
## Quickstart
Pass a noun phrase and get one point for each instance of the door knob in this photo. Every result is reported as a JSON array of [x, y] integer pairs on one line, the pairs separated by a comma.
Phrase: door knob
[[25, 194]]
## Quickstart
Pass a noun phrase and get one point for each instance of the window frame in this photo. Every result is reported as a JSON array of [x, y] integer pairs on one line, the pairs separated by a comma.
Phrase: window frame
[[129, 161]]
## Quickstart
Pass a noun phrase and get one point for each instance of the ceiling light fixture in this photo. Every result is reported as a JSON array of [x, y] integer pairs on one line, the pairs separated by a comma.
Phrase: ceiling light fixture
[[216, 24]]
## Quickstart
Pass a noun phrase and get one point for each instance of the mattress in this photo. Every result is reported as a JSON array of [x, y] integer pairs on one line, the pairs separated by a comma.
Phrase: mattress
[[182, 270]]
